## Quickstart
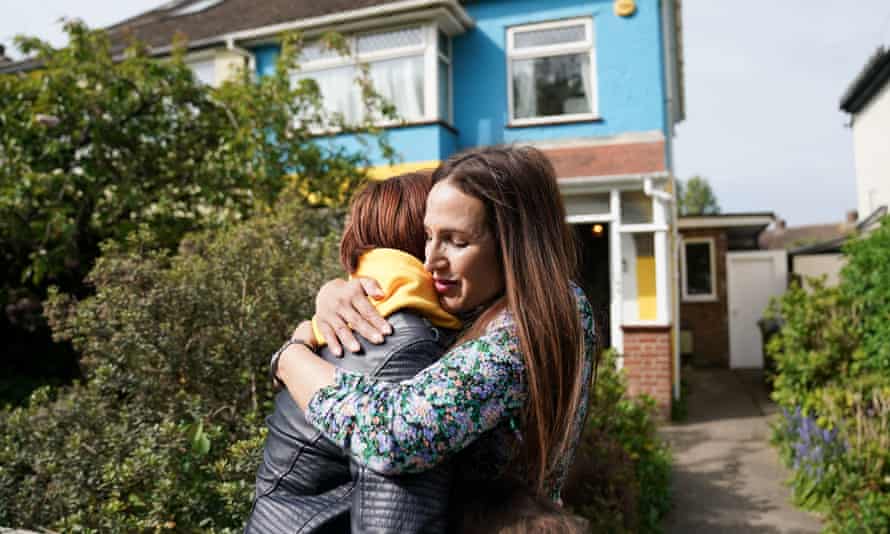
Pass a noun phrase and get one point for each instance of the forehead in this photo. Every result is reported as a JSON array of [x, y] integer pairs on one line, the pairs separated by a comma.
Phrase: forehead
[[449, 208]]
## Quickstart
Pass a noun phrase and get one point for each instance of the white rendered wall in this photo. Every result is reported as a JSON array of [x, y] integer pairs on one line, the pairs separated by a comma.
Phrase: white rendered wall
[[871, 149], [815, 265]]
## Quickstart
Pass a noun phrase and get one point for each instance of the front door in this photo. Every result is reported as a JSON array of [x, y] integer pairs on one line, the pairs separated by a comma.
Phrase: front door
[[752, 278]]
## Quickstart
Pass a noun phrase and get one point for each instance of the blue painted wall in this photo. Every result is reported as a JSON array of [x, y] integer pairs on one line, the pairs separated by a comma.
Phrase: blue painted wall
[[629, 75], [628, 63]]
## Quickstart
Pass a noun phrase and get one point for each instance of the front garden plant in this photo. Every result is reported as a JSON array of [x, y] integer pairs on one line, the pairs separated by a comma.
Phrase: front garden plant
[[833, 385]]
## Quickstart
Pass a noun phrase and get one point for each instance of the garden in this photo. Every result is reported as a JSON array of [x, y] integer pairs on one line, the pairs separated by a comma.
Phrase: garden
[[832, 382], [159, 239]]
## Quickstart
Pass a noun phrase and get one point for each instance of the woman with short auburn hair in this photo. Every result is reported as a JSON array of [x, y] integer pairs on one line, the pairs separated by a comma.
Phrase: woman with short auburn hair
[[305, 482]]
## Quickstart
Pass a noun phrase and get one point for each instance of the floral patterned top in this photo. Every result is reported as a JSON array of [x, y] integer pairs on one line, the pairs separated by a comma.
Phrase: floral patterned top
[[476, 390]]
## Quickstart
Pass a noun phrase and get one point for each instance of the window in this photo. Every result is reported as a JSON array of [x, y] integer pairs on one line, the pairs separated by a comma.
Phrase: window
[[204, 70], [409, 66], [551, 73], [699, 269]]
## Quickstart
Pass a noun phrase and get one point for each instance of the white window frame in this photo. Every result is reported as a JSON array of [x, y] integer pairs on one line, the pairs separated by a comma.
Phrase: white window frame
[[428, 49], [588, 46], [712, 296]]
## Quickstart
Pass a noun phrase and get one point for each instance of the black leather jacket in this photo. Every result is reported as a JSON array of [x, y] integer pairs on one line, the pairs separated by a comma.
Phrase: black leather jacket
[[307, 484]]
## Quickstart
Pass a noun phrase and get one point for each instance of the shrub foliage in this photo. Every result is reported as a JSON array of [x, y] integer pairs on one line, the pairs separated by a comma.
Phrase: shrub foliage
[[621, 479], [165, 430], [833, 384], [96, 144]]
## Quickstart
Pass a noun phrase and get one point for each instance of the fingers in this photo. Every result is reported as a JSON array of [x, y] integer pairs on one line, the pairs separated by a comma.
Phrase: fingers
[[369, 312], [371, 287], [328, 334]]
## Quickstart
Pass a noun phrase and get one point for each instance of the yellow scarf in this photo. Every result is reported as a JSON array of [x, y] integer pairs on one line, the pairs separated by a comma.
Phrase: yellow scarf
[[405, 284]]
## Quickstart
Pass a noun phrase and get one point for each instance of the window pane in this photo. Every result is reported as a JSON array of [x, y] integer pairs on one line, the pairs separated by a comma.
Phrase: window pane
[[317, 50], [589, 204], [549, 86], [698, 269], [338, 90], [636, 208], [553, 36], [638, 287], [400, 80], [444, 49], [393, 39], [444, 93], [204, 71]]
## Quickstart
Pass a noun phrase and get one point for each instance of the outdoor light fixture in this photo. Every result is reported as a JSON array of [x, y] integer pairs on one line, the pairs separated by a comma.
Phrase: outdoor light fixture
[[596, 230]]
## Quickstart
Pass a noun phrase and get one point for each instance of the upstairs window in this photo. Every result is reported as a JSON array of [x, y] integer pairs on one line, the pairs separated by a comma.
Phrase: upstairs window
[[406, 66], [551, 72]]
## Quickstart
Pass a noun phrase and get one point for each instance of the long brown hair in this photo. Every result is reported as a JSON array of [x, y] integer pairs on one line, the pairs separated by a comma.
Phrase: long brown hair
[[538, 255], [386, 214]]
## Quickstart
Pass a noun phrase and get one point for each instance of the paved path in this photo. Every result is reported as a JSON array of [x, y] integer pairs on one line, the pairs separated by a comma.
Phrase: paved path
[[727, 477]]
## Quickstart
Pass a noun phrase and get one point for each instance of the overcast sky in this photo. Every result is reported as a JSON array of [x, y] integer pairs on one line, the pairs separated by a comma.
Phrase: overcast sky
[[763, 81]]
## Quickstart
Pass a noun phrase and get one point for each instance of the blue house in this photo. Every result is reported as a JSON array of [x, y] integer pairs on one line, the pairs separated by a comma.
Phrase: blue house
[[595, 84]]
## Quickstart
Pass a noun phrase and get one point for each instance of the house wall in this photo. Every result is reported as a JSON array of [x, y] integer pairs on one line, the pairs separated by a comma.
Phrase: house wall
[[630, 89], [871, 149], [815, 265], [709, 321], [632, 127]]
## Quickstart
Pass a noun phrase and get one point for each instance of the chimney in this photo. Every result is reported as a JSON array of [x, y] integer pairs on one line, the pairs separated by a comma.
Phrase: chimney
[[780, 225], [852, 217]]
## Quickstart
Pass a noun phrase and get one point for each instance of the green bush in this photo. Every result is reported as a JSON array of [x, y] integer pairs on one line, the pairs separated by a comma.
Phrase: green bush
[[97, 144], [621, 479], [165, 432], [833, 385]]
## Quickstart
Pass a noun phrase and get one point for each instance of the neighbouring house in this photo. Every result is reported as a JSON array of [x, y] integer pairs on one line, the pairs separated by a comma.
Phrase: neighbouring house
[[867, 100], [726, 282], [596, 84], [814, 250]]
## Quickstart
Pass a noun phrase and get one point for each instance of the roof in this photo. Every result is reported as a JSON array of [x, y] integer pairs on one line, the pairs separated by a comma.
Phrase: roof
[[796, 237], [869, 82], [207, 23], [158, 27], [725, 220]]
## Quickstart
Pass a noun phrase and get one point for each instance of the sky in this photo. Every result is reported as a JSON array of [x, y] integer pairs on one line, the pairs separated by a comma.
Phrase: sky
[[763, 81]]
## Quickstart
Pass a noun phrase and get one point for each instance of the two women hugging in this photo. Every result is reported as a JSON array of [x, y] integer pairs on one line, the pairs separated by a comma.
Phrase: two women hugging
[[460, 400]]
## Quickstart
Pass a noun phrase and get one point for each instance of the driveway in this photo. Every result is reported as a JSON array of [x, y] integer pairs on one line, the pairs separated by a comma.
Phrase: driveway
[[727, 477]]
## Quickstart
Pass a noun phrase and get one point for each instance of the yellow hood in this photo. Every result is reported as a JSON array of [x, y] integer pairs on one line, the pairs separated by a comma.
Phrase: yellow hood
[[405, 284]]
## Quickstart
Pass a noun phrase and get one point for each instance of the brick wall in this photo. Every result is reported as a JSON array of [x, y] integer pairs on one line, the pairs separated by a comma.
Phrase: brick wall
[[709, 321], [647, 362], [608, 160]]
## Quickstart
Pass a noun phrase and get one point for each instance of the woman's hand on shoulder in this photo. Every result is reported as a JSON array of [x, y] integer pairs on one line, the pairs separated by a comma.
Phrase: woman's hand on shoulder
[[342, 306]]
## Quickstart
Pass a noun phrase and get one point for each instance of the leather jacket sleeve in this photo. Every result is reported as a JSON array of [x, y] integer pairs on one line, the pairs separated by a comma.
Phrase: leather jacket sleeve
[[304, 483]]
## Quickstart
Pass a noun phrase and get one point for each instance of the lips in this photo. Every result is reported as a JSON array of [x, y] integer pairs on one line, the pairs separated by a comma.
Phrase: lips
[[443, 286]]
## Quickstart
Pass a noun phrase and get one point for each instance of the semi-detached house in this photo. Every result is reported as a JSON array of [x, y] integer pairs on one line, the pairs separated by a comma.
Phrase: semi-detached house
[[595, 84]]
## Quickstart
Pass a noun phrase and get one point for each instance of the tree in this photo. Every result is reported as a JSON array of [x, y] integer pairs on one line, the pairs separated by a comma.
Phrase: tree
[[695, 197], [94, 146]]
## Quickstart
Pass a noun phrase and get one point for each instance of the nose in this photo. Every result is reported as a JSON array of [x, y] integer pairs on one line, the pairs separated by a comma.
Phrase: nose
[[435, 260]]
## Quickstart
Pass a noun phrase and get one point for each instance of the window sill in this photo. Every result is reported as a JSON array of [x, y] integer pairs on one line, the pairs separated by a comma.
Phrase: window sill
[[700, 300], [393, 126], [554, 121], [435, 122]]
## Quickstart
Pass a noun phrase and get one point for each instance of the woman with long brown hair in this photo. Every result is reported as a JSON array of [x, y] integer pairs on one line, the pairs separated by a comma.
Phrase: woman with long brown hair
[[510, 397]]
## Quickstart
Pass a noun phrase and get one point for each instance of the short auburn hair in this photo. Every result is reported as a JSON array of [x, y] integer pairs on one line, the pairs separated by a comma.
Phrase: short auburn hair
[[386, 214]]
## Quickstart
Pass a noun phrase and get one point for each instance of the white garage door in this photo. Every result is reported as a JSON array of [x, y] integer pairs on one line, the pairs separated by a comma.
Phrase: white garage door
[[752, 279]]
